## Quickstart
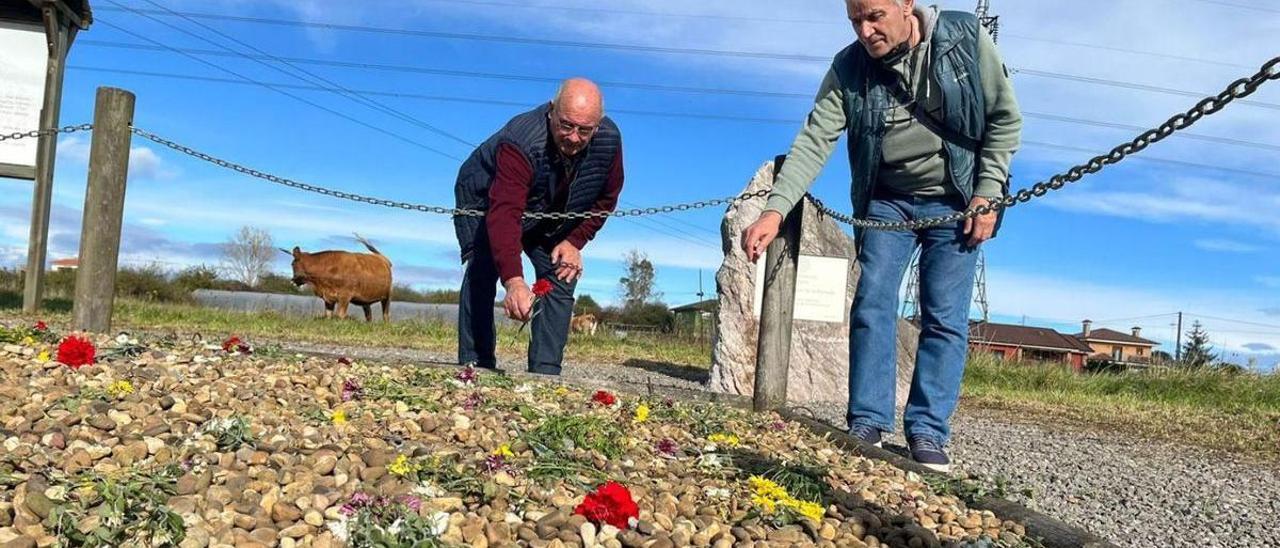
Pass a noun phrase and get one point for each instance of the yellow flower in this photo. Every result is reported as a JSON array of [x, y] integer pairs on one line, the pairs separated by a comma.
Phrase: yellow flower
[[560, 391], [764, 503], [401, 466], [43, 357], [767, 488], [730, 440], [811, 510], [642, 413], [340, 417], [28, 340], [504, 451], [120, 389]]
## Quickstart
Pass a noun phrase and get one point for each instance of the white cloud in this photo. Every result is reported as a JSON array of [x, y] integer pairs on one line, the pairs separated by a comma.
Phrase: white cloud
[[1269, 281], [1226, 246], [1178, 200], [144, 163]]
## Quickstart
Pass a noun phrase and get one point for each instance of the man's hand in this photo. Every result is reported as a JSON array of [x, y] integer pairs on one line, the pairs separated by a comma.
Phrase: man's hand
[[980, 228], [569, 259], [757, 237], [519, 300]]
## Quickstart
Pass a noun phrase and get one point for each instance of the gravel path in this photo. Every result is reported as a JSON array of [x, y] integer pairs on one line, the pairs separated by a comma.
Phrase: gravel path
[[1133, 492]]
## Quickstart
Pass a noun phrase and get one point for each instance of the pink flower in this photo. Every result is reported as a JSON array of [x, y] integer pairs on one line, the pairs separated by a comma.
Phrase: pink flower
[[467, 375], [666, 446], [351, 390]]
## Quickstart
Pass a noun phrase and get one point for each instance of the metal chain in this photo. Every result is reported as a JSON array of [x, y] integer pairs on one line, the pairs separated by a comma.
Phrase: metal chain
[[456, 212], [36, 133], [1239, 89]]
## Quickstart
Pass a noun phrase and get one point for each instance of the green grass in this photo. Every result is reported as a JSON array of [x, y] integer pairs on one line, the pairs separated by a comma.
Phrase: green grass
[[430, 336], [1238, 413]]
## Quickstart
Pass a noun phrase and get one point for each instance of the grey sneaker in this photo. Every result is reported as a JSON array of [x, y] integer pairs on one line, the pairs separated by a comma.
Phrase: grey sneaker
[[868, 434], [928, 452]]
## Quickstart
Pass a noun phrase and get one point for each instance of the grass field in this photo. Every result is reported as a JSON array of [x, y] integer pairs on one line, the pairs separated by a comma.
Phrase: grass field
[[1218, 411]]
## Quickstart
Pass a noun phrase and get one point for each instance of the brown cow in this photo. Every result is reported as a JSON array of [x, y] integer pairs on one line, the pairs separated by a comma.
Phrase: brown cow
[[341, 278], [585, 324]]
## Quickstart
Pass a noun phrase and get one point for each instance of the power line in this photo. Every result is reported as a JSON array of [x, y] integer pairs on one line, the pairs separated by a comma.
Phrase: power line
[[637, 12], [1124, 50], [310, 77], [779, 121], [657, 87], [457, 73], [1133, 86], [1151, 317], [287, 94], [504, 39], [1242, 322], [351, 95], [1236, 5]]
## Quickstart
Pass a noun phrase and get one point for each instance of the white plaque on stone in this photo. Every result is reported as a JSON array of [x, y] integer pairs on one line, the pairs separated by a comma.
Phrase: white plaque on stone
[[22, 73], [821, 284]]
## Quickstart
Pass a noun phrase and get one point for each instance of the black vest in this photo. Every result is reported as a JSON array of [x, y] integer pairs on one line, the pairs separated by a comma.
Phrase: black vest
[[530, 133]]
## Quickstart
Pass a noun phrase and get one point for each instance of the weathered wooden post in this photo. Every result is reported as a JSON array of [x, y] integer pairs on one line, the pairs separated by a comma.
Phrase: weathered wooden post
[[773, 345], [103, 210]]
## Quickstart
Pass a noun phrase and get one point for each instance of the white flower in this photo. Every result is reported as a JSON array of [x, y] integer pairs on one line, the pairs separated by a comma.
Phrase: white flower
[[717, 492], [394, 529], [523, 389], [428, 490], [710, 460], [341, 529], [122, 339], [438, 523]]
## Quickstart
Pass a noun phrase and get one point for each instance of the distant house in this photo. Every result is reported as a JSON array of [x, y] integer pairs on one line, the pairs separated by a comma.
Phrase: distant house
[[60, 265], [1030, 343], [696, 317], [1114, 346]]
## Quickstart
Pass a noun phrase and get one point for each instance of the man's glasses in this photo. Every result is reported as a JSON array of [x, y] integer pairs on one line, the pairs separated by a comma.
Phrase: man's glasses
[[566, 127]]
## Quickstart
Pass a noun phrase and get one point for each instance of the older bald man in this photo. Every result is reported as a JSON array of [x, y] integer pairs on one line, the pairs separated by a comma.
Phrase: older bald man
[[563, 156]]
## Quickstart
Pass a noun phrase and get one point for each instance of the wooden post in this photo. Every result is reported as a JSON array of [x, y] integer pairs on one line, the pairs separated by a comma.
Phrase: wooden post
[[773, 348], [103, 210], [59, 34]]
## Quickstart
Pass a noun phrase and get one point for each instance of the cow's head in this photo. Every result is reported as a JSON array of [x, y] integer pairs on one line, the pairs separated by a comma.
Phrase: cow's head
[[299, 273]]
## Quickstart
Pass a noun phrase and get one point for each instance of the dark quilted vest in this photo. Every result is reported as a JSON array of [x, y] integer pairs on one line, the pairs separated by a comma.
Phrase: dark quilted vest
[[529, 132]]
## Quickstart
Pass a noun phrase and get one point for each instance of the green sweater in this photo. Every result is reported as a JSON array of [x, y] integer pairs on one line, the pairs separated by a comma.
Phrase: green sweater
[[913, 161]]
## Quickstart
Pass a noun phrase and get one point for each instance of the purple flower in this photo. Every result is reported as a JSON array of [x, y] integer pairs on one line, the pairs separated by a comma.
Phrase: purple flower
[[494, 463], [351, 390], [666, 447], [474, 400], [414, 503], [778, 425], [467, 375], [348, 510]]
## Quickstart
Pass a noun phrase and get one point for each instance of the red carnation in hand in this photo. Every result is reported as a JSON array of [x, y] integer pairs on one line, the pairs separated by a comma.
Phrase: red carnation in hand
[[76, 352], [541, 288], [604, 398], [610, 503]]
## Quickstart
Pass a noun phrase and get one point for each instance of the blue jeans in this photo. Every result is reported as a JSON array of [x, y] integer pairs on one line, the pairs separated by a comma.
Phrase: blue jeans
[[947, 266], [477, 340]]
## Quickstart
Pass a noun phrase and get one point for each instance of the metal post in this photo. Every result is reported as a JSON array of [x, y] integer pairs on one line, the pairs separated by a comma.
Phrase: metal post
[[1177, 350], [773, 345], [58, 34], [103, 210]]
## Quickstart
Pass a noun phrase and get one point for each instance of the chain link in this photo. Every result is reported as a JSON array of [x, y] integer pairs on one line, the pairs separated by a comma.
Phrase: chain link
[[1239, 89], [36, 133], [456, 212]]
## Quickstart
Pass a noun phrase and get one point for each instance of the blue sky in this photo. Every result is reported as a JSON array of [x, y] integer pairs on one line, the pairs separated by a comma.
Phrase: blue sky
[[1144, 238]]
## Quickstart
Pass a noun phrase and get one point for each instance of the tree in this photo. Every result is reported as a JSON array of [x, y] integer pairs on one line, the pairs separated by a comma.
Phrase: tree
[[248, 255], [638, 284], [1197, 352], [587, 305]]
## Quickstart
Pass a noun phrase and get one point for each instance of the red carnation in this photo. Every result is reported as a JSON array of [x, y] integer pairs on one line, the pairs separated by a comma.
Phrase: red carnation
[[41, 326], [231, 344], [542, 287], [76, 352], [610, 503], [604, 398]]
